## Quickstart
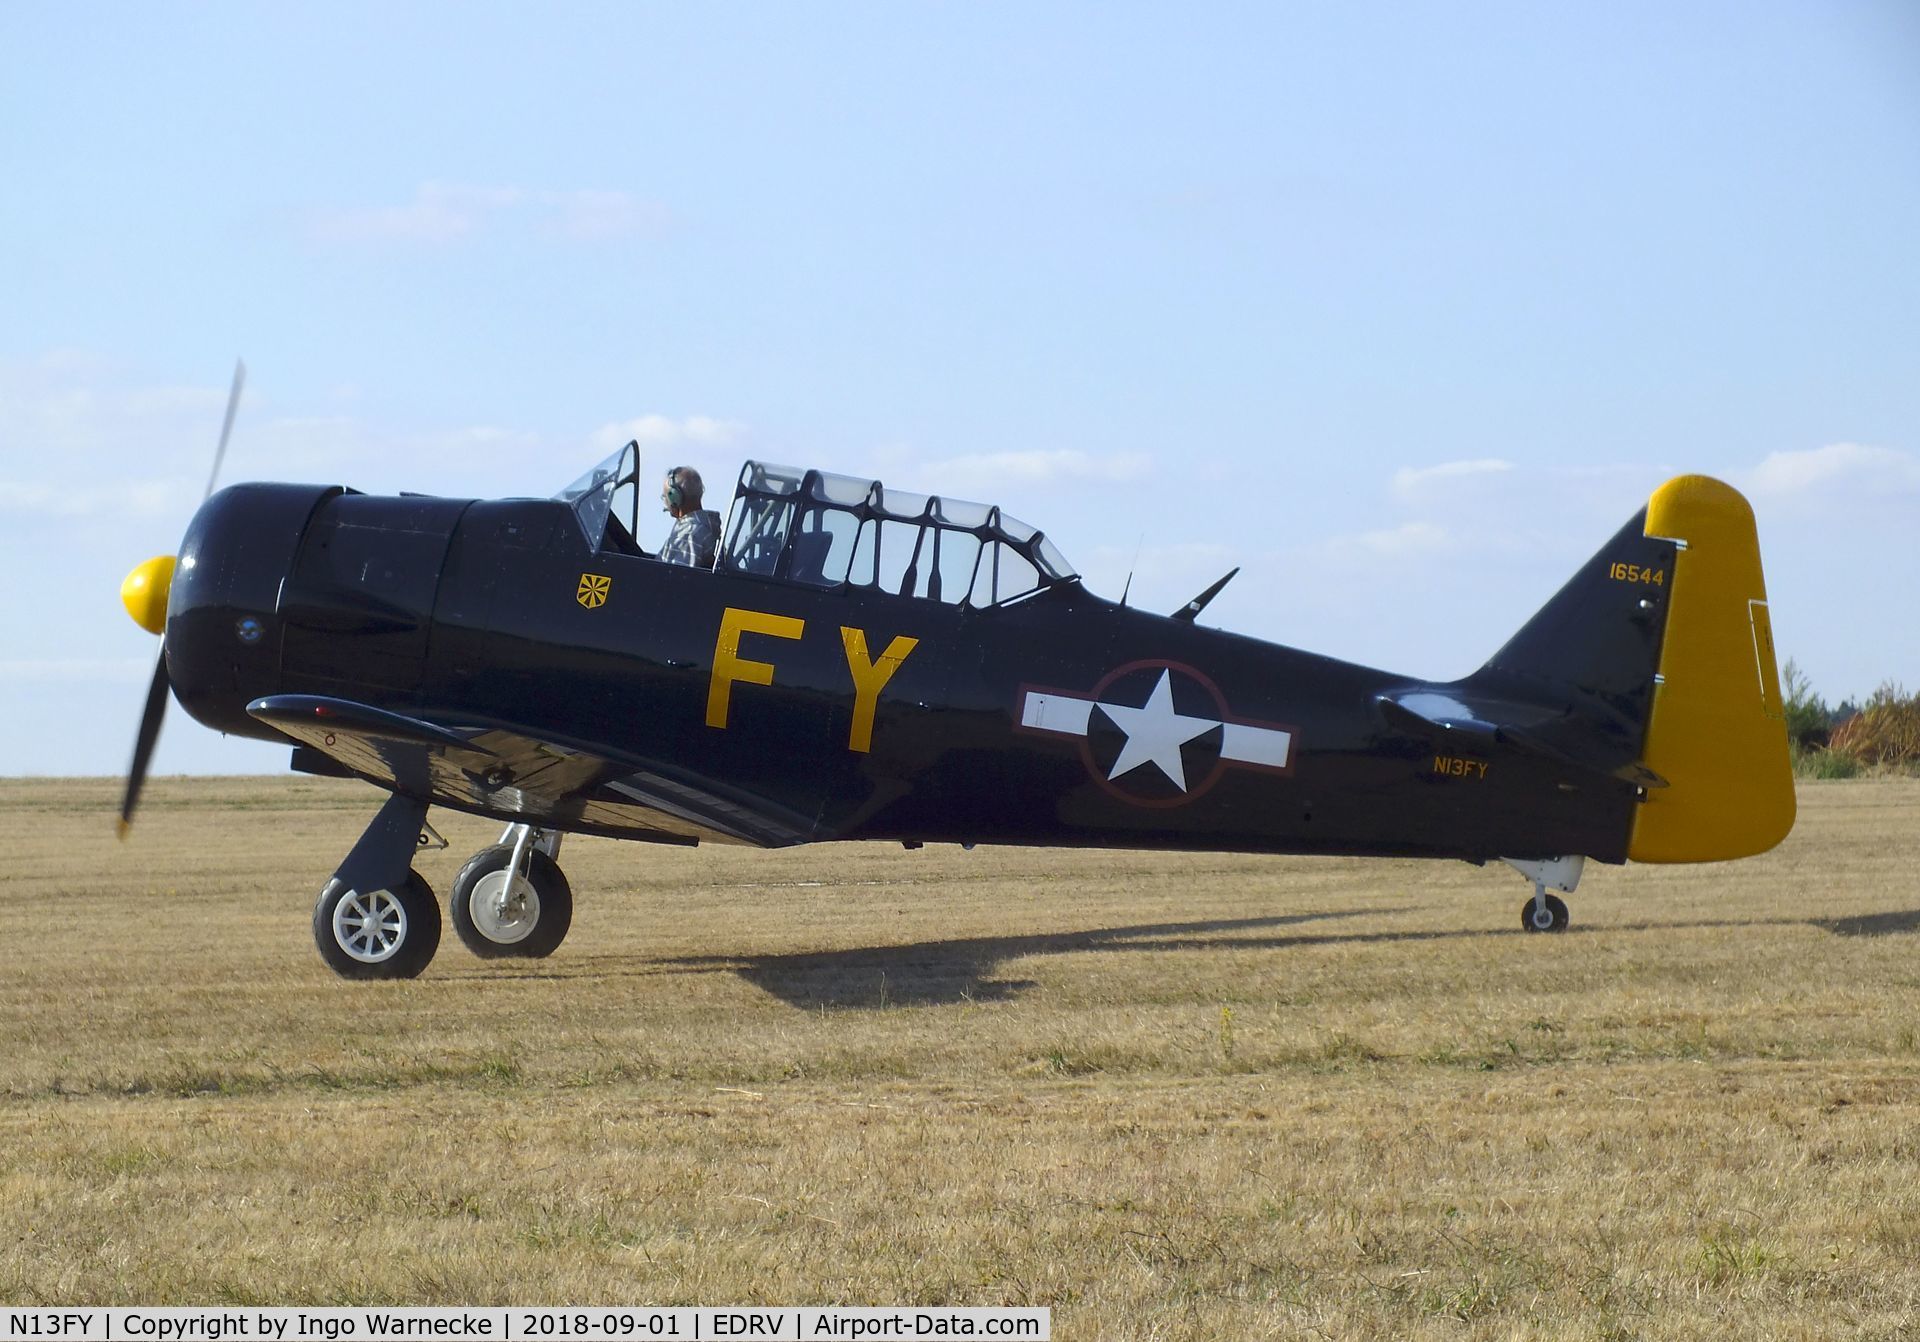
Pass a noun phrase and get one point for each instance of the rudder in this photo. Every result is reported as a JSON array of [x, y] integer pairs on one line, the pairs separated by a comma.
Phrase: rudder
[[1717, 732]]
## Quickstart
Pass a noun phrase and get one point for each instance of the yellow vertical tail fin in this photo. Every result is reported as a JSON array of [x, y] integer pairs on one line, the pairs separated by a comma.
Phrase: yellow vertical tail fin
[[1717, 733]]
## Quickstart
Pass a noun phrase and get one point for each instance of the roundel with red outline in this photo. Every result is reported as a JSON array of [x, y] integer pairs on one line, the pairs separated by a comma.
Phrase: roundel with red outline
[[1157, 733]]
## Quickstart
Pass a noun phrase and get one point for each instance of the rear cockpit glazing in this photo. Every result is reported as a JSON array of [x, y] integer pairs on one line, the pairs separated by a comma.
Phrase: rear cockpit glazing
[[827, 530]]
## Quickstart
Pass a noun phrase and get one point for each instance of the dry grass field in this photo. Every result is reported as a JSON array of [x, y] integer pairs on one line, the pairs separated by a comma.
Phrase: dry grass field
[[1170, 1097]]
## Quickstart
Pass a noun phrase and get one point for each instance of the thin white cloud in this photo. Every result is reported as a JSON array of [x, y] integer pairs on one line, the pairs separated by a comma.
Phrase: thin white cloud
[[147, 448], [659, 431], [1411, 481], [69, 362], [594, 216], [94, 498], [80, 443], [67, 670], [439, 212], [446, 212], [1856, 468], [472, 460], [471, 438], [992, 474], [174, 400], [1409, 540]]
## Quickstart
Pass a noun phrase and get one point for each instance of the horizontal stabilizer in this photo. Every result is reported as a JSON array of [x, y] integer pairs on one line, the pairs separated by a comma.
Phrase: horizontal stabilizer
[[1460, 716]]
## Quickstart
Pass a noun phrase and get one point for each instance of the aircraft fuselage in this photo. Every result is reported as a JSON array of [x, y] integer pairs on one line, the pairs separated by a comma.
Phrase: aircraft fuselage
[[1059, 718]]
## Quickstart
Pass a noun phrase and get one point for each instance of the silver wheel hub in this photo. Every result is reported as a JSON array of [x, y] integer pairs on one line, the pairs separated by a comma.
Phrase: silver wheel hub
[[370, 927], [503, 910]]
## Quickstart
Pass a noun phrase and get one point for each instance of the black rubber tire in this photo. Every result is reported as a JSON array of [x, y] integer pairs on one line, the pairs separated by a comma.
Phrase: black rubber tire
[[397, 957], [1555, 906], [551, 891]]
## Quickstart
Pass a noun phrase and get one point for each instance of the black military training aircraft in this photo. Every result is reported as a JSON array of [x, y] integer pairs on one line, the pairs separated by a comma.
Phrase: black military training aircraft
[[863, 663]]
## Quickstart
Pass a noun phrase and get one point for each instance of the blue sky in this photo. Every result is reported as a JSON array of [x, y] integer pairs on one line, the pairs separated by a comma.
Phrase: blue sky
[[1404, 309]]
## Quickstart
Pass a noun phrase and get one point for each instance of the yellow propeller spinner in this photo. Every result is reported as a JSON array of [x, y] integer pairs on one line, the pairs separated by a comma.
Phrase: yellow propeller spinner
[[144, 593]]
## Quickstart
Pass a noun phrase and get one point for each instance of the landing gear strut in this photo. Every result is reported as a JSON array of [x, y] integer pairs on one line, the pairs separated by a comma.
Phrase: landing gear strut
[[1547, 912], [512, 899], [377, 917]]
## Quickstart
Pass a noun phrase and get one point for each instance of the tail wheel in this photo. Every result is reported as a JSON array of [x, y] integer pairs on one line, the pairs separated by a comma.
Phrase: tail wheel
[[500, 914], [377, 934], [1552, 918]]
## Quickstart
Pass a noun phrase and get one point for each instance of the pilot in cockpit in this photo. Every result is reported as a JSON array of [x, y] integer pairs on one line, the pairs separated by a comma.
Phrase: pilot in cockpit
[[696, 530]]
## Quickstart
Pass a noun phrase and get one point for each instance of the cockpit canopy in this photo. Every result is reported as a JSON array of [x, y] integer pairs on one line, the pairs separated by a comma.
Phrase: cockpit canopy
[[593, 497], [826, 530], [829, 530]]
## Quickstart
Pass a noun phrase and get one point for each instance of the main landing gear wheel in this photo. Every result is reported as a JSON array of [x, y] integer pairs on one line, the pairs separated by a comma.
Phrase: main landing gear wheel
[[527, 917], [1552, 918], [379, 934]]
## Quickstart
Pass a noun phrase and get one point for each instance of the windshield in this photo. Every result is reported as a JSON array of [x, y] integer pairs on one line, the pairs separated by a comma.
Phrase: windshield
[[593, 495]]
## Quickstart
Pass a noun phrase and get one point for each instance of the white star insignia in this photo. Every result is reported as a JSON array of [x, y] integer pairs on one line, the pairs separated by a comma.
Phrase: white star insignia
[[1155, 733]]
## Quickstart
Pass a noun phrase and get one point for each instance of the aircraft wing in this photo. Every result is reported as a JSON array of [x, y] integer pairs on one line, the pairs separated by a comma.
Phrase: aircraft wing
[[517, 775]]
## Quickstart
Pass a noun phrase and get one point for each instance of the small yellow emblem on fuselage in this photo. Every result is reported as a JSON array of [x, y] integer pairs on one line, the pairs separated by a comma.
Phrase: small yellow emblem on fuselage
[[593, 590]]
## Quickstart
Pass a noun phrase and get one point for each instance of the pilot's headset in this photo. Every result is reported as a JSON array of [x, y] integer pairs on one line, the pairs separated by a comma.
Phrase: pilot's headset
[[675, 496]]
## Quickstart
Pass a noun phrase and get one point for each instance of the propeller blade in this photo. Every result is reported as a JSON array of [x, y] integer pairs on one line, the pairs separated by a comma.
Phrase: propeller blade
[[157, 694], [226, 429], [162, 688]]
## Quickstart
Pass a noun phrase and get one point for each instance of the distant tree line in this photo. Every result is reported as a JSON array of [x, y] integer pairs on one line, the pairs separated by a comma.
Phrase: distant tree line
[[1849, 739]]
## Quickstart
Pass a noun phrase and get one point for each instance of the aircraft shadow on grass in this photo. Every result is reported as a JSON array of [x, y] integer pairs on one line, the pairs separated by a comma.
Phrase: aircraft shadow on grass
[[937, 973], [945, 973], [1858, 925], [1872, 924]]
